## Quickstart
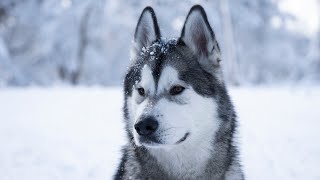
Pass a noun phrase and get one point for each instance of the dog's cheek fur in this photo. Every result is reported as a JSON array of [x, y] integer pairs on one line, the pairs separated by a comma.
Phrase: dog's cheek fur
[[173, 121], [132, 110], [201, 123]]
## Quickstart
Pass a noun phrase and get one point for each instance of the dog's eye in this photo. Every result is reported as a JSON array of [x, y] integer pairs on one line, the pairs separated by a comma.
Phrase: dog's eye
[[141, 91], [175, 90]]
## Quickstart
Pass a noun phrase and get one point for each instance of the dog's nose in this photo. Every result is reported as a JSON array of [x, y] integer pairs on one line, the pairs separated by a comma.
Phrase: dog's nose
[[146, 126]]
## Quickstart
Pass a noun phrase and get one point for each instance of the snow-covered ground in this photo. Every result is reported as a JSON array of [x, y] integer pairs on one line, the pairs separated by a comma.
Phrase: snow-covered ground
[[76, 133]]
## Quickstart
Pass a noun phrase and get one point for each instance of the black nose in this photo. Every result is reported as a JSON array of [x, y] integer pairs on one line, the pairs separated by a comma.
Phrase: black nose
[[146, 126]]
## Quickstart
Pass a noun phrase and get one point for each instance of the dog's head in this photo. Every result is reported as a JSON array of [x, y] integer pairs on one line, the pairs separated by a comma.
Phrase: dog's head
[[171, 86]]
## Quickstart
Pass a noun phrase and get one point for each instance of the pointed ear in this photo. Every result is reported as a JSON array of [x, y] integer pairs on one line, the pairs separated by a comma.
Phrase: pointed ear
[[147, 31], [199, 36]]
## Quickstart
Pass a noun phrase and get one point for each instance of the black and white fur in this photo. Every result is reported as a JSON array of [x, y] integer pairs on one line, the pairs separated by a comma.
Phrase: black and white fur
[[179, 119]]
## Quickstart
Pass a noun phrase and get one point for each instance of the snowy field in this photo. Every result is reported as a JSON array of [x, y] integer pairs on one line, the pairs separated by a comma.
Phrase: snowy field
[[76, 133]]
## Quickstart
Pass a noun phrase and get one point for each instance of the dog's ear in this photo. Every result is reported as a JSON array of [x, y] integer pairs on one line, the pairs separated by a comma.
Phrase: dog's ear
[[147, 31], [198, 35]]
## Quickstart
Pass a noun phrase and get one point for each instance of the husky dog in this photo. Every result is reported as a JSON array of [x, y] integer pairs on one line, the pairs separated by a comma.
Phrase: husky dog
[[178, 115]]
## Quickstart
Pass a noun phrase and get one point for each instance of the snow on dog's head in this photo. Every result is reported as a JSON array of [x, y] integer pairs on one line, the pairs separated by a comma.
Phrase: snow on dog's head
[[171, 84]]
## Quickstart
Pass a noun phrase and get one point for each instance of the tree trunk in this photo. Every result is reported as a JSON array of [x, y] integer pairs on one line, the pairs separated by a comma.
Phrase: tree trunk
[[230, 61], [83, 43]]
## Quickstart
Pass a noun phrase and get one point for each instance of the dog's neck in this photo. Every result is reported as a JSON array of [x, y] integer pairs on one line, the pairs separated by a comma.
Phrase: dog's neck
[[186, 160]]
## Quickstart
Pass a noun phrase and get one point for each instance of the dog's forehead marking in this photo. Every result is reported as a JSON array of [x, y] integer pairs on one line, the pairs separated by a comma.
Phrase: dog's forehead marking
[[169, 76], [147, 80]]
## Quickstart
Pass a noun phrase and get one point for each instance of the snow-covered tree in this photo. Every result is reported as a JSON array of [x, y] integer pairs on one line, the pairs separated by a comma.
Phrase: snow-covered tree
[[87, 42]]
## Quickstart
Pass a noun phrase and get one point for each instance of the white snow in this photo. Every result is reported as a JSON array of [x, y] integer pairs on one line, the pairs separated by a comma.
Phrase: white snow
[[76, 133], [279, 132]]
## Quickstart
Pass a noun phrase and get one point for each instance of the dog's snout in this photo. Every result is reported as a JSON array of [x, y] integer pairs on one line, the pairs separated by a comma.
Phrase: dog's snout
[[146, 126]]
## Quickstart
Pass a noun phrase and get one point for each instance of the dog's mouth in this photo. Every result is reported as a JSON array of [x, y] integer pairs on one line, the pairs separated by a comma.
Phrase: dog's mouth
[[183, 138], [154, 142]]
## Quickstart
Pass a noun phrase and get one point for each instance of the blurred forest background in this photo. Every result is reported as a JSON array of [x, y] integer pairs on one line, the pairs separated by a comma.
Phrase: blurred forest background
[[62, 132], [87, 42]]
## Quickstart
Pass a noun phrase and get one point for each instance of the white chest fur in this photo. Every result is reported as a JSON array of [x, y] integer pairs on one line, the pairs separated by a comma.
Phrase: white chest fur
[[186, 160]]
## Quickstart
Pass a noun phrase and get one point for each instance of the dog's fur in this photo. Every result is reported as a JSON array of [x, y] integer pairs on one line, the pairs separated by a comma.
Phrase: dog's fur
[[194, 136]]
